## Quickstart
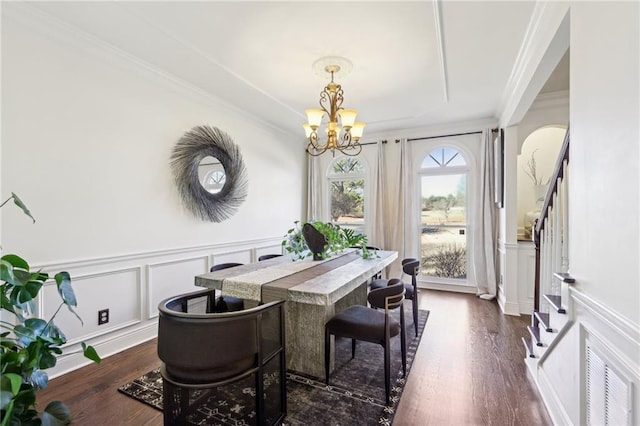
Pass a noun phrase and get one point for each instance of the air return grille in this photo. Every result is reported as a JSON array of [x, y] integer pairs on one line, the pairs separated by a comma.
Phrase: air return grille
[[608, 398]]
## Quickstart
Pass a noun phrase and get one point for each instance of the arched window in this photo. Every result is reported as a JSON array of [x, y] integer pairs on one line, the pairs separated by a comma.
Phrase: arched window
[[347, 188], [443, 214]]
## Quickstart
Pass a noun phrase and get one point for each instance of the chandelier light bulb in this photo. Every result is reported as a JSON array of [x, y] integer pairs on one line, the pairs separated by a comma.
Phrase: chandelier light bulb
[[347, 117], [357, 130], [314, 117]]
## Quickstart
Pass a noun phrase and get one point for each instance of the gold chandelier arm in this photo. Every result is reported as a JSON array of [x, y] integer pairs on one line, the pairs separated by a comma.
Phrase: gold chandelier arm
[[340, 123], [348, 146], [313, 148]]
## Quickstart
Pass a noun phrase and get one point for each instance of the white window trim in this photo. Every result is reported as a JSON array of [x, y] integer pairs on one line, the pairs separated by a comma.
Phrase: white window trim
[[439, 171]]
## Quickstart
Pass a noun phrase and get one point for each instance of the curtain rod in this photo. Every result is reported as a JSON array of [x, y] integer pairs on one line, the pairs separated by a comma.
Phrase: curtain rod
[[432, 137], [372, 143], [447, 136]]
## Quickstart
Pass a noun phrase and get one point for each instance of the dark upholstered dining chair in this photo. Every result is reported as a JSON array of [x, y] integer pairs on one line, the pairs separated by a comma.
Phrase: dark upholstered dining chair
[[227, 303], [359, 322], [268, 256], [203, 354], [410, 267]]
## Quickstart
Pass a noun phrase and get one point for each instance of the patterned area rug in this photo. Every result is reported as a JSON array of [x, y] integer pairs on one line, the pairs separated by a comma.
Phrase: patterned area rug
[[355, 395]]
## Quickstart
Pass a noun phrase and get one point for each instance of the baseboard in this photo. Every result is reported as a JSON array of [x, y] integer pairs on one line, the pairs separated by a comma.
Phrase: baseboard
[[455, 288], [73, 359], [551, 401], [526, 308], [508, 308]]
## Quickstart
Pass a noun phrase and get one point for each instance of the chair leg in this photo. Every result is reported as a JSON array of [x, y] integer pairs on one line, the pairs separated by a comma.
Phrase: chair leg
[[414, 302], [353, 348], [327, 354], [387, 370], [403, 343]]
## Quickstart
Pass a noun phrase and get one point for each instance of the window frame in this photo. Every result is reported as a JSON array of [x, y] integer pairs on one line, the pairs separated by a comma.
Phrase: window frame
[[332, 177], [441, 171]]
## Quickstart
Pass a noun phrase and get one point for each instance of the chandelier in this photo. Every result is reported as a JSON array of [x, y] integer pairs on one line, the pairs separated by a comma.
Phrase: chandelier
[[342, 130]]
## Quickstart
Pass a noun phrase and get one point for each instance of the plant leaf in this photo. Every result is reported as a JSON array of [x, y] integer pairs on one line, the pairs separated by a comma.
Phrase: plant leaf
[[90, 353], [6, 401], [56, 414], [30, 330], [11, 382], [39, 378], [6, 272], [16, 261], [63, 280], [18, 202]]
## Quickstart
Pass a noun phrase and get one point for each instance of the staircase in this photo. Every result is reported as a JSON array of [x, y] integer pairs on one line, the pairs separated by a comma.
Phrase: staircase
[[549, 319]]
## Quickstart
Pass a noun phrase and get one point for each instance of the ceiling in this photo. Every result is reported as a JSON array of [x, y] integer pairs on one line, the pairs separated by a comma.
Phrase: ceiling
[[414, 63]]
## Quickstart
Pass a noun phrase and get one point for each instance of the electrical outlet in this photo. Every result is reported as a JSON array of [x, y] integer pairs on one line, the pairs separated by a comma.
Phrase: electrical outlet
[[103, 316]]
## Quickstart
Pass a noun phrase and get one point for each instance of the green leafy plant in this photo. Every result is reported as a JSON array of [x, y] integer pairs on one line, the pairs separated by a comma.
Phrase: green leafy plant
[[338, 239], [28, 344]]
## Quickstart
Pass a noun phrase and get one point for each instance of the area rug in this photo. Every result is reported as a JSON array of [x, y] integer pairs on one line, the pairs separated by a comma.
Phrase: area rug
[[355, 395]]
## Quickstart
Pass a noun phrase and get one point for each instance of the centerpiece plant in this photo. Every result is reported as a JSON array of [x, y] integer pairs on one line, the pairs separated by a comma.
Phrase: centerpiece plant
[[337, 240], [28, 344]]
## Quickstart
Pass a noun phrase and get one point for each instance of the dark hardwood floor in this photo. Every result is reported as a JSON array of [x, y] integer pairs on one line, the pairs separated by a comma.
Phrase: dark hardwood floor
[[469, 370]]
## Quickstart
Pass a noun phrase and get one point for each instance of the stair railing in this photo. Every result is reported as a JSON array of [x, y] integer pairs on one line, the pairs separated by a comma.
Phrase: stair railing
[[551, 232]]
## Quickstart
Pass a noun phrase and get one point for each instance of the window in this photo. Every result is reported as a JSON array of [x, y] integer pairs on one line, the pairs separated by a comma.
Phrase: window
[[443, 214], [346, 186]]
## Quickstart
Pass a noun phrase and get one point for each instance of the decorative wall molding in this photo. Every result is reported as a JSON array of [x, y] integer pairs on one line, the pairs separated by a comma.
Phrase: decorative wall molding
[[85, 311], [180, 287], [213, 248], [608, 326], [183, 263], [592, 325]]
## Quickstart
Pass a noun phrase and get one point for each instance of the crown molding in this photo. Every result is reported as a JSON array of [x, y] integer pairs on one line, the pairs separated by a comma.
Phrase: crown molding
[[551, 100], [69, 35], [545, 35]]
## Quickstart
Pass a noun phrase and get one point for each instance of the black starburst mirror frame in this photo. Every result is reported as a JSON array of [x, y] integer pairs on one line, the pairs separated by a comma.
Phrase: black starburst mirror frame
[[200, 142]]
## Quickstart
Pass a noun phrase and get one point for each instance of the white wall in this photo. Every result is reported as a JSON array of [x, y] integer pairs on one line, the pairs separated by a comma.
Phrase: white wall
[[86, 139], [544, 145], [603, 220]]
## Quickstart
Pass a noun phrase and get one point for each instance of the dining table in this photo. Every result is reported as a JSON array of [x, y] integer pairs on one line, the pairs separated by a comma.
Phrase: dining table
[[314, 291]]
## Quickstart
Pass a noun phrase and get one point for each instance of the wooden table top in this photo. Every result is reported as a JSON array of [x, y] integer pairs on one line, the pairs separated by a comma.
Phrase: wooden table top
[[306, 281]]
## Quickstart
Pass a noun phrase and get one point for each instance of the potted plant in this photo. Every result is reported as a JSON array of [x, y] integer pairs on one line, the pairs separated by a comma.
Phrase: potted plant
[[335, 240], [28, 344]]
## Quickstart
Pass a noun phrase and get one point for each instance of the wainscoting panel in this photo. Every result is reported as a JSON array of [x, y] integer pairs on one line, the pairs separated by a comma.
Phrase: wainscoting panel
[[274, 249], [172, 278], [239, 256], [526, 276], [591, 376], [610, 347], [123, 302], [131, 286]]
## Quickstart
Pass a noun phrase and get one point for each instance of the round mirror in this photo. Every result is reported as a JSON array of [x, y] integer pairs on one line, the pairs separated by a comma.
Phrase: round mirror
[[211, 174]]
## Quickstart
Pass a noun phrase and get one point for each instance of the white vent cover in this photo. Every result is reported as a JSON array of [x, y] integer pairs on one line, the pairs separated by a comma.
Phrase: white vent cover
[[608, 398]]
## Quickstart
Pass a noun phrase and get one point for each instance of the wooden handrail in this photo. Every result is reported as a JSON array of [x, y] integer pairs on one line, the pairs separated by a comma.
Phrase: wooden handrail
[[558, 173], [544, 213]]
